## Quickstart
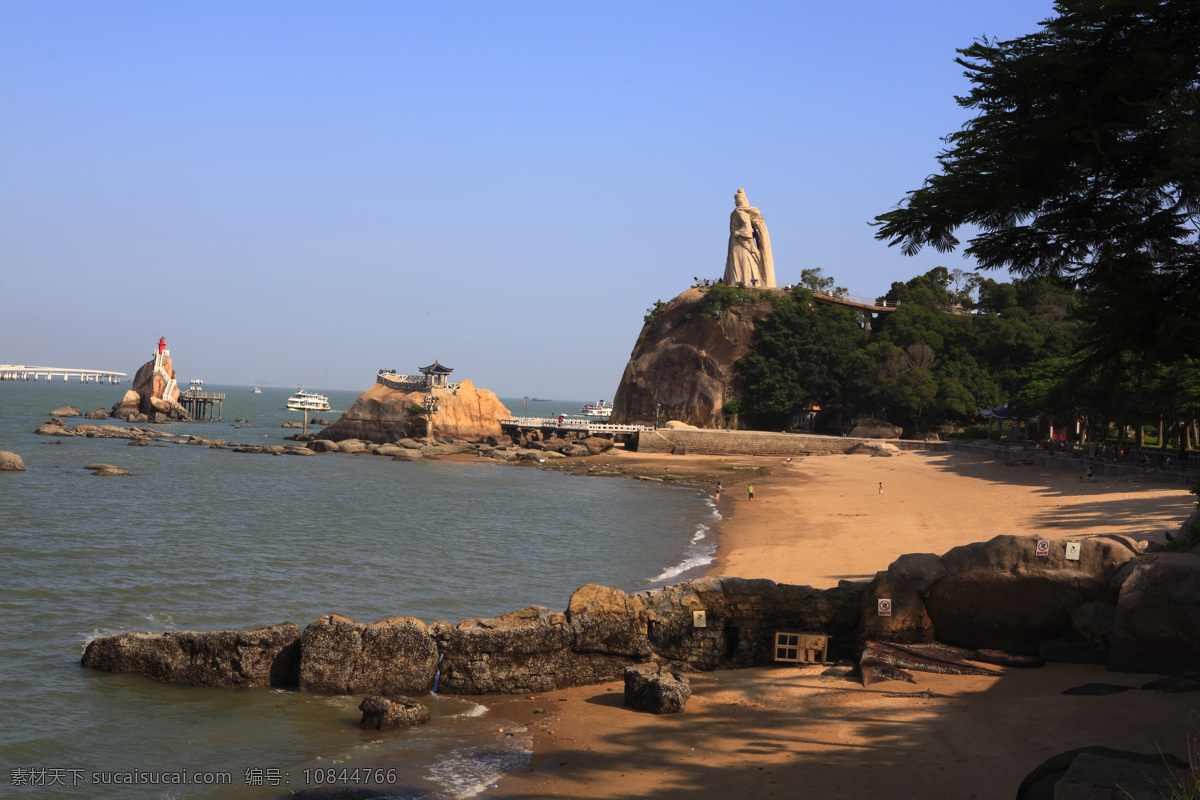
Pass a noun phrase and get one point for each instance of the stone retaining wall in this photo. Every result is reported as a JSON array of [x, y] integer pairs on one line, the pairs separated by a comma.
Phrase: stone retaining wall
[[602, 632], [756, 443], [1102, 599]]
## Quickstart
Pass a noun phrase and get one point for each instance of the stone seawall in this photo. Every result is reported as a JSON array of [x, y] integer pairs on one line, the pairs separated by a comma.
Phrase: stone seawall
[[1104, 599], [756, 443], [535, 649]]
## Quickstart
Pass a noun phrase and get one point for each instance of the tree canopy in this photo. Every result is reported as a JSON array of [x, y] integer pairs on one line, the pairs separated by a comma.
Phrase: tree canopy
[[1083, 163]]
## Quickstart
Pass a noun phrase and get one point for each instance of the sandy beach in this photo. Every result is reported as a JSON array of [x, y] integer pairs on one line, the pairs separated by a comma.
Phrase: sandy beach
[[783, 731]]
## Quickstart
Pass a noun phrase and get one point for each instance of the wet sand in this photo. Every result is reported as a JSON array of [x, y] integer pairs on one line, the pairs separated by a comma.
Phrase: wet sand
[[787, 731]]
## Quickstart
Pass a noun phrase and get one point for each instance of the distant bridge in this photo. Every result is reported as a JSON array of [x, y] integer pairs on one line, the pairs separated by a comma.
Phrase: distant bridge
[[22, 372]]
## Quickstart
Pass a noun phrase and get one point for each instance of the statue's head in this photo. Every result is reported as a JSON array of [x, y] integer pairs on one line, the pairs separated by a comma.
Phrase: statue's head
[[740, 200]]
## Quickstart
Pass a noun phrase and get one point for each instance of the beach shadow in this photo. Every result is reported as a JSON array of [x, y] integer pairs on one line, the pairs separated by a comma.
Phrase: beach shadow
[[609, 699], [786, 733], [1089, 504]]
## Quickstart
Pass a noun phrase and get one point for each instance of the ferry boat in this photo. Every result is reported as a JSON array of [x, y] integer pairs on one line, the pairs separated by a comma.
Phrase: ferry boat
[[308, 401], [600, 409]]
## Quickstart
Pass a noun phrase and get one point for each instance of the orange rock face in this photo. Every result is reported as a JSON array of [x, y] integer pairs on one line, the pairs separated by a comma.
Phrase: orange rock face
[[381, 415], [684, 361]]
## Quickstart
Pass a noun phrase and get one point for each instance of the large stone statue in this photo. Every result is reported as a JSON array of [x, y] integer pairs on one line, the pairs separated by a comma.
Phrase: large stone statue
[[749, 260]]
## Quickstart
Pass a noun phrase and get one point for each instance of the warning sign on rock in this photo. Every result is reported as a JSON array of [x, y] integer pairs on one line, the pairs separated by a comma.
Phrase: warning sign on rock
[[885, 607], [1043, 548], [1072, 551]]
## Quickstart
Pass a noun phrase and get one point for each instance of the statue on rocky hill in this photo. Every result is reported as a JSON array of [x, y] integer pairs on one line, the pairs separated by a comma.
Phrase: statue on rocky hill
[[749, 260]]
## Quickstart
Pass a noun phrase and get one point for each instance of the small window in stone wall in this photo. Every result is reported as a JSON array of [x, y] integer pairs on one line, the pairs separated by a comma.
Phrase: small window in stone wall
[[804, 648], [787, 647]]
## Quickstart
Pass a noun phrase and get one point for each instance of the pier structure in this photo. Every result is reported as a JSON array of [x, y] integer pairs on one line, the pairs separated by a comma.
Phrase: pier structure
[[200, 404], [23, 372], [565, 428]]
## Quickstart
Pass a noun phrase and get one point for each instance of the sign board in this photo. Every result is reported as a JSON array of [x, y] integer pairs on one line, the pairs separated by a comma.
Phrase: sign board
[[699, 619], [1043, 548], [885, 607], [1072, 551]]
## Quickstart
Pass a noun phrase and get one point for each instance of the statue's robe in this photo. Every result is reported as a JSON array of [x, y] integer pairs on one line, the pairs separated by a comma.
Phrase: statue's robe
[[749, 258]]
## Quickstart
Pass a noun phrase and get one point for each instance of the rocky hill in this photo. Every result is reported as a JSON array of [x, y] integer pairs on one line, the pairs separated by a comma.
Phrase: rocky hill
[[154, 396], [684, 360], [383, 415]]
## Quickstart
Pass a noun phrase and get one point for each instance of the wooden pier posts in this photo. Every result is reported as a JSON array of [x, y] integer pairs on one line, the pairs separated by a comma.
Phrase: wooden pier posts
[[202, 404]]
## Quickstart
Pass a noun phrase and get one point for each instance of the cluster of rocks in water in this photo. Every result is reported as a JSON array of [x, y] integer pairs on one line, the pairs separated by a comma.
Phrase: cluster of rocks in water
[[501, 448]]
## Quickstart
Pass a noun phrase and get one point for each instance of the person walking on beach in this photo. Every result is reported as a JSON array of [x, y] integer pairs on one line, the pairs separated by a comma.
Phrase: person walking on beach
[[718, 491], [881, 487], [750, 489]]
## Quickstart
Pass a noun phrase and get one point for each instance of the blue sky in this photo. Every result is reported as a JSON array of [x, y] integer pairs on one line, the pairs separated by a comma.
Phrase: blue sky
[[304, 192]]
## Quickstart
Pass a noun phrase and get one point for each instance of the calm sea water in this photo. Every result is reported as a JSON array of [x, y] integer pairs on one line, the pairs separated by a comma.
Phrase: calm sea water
[[202, 539]]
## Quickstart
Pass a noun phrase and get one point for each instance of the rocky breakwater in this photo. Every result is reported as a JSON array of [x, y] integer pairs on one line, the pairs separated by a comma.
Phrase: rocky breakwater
[[684, 359], [986, 601], [1103, 600], [383, 415], [602, 632], [154, 396]]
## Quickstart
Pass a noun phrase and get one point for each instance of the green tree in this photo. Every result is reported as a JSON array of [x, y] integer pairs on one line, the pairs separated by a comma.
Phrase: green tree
[[800, 355], [1083, 162]]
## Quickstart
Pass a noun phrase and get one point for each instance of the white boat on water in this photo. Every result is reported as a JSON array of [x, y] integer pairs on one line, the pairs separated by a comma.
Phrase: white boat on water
[[256, 390], [308, 401], [600, 409]]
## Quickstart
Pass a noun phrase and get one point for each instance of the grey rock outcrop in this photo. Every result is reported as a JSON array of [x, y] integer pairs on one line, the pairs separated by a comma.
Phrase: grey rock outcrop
[[684, 361], [651, 688], [106, 470], [524, 651], [386, 714], [921, 569], [875, 429], [392, 657], [999, 594], [1041, 783], [1157, 622], [1093, 776], [11, 462], [260, 657], [908, 620]]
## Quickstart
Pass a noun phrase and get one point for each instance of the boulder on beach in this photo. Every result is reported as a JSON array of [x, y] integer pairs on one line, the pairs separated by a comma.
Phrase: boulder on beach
[[651, 688], [11, 462], [1002, 594], [1156, 627], [875, 429], [386, 714], [874, 449]]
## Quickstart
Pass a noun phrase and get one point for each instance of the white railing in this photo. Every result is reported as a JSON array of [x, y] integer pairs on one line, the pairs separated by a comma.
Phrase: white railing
[[403, 383], [572, 424]]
